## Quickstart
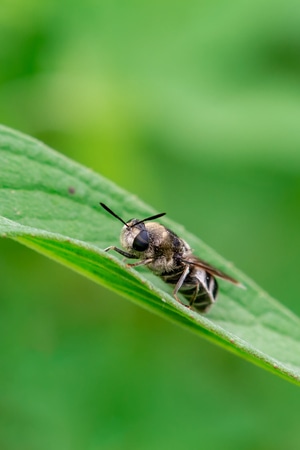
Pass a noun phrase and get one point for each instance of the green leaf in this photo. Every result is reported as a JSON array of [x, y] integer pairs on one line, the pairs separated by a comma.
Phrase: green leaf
[[51, 204]]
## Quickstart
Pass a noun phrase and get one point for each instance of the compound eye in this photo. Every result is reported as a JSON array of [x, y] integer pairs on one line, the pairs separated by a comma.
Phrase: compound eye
[[141, 241]]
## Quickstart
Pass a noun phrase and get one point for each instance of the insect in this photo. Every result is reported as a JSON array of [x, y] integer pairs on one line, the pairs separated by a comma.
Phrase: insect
[[171, 258]]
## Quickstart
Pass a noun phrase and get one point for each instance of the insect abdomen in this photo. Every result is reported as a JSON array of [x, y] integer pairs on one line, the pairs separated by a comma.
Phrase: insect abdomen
[[200, 288], [205, 296]]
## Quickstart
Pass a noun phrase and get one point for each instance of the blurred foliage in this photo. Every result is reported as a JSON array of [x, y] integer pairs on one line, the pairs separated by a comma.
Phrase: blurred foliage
[[195, 107]]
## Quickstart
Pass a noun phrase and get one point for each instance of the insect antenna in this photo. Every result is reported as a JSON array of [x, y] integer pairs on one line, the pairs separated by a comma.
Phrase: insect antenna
[[113, 214], [151, 218], [156, 216]]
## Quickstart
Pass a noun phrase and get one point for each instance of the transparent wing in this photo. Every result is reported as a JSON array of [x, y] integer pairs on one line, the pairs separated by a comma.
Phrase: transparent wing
[[193, 260]]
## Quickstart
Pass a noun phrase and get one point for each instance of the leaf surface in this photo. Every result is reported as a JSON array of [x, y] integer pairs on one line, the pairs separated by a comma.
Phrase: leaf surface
[[51, 204]]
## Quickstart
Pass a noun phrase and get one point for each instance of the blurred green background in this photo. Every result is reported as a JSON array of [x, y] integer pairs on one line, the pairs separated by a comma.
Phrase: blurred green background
[[195, 107]]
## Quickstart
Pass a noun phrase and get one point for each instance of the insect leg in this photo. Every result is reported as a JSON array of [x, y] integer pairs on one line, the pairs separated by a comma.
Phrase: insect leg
[[194, 295], [180, 283], [118, 250], [143, 262]]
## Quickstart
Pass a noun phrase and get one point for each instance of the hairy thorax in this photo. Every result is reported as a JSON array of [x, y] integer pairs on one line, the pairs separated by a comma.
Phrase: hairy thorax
[[166, 249]]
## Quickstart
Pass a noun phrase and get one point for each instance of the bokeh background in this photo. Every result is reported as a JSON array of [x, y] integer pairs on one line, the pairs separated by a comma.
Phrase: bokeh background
[[195, 107]]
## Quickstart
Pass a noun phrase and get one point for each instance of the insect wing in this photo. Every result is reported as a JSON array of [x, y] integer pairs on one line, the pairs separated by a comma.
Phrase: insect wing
[[193, 260]]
